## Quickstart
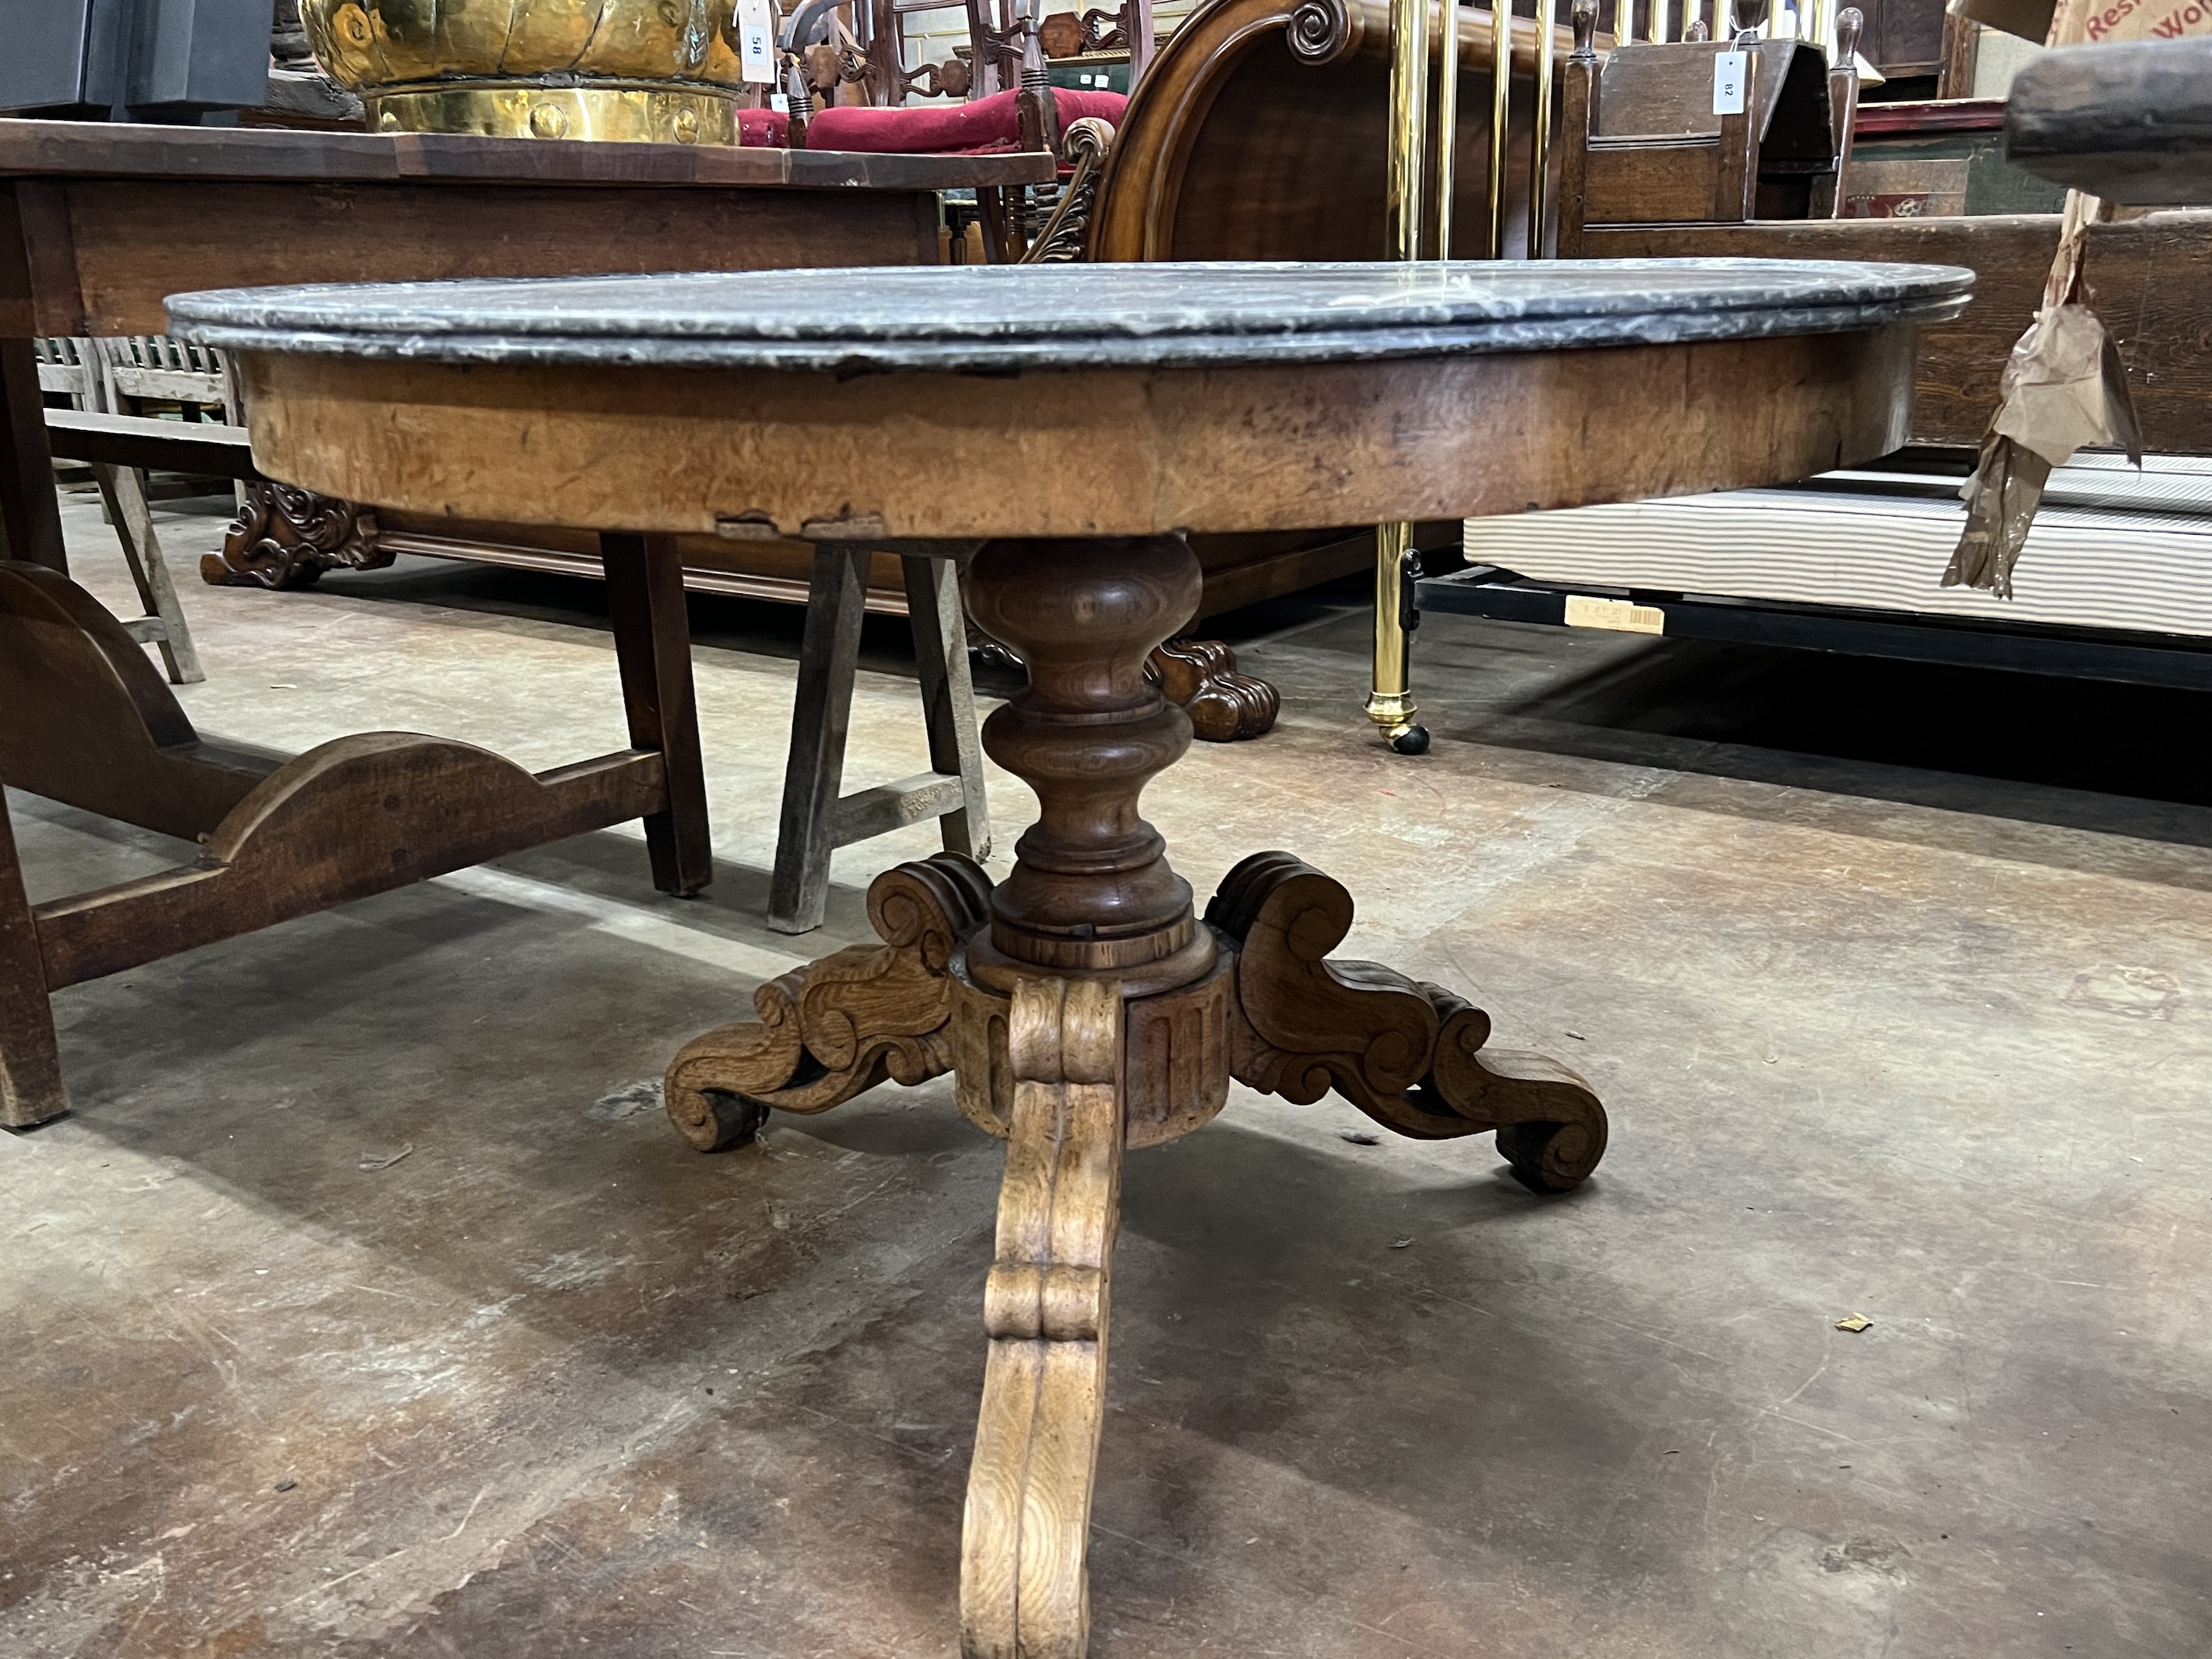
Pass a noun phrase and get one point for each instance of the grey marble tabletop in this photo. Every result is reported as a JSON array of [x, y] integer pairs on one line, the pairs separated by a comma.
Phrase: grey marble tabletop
[[997, 317]]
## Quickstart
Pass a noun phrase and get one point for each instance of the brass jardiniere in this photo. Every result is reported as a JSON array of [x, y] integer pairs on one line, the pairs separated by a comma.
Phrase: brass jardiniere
[[662, 70]]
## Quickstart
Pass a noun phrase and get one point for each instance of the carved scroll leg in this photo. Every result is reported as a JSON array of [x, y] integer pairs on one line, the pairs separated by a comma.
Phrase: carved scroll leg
[[1551, 1126], [1410, 1056], [1024, 1592], [840, 1026]]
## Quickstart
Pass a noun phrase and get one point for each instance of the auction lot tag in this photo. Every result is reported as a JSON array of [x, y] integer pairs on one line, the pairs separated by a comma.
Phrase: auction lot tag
[[757, 41], [1730, 71]]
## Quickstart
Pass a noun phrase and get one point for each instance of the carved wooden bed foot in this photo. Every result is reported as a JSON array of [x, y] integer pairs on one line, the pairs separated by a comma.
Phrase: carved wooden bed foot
[[1198, 676], [1224, 705], [1085, 1009]]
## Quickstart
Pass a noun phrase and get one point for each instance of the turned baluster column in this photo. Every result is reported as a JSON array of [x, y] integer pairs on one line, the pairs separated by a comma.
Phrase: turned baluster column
[[1092, 894]]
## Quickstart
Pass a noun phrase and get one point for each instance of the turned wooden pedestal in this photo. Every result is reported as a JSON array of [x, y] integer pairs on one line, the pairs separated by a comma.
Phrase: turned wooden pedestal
[[1087, 1008], [1085, 1003]]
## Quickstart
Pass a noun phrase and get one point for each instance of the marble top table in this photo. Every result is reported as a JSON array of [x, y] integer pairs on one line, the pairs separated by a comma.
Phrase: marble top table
[[1083, 1003]]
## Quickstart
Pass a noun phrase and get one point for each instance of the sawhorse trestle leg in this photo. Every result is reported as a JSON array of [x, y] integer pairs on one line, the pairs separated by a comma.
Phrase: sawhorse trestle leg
[[818, 817]]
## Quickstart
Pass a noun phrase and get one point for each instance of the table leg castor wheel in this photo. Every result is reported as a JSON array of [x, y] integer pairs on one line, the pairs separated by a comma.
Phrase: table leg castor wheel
[[1411, 740], [729, 1121]]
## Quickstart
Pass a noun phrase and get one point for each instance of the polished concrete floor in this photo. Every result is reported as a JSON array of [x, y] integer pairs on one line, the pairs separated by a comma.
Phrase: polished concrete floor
[[1897, 983]]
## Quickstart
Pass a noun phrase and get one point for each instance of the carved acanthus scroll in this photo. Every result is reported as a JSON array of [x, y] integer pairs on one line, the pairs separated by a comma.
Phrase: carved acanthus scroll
[[287, 538], [1410, 1055], [830, 1030], [1024, 1591]]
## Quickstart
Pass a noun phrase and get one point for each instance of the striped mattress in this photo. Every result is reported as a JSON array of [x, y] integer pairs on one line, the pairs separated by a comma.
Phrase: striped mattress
[[2111, 549]]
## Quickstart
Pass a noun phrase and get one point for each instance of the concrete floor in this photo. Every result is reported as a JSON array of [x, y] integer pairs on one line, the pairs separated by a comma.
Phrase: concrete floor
[[1895, 981]]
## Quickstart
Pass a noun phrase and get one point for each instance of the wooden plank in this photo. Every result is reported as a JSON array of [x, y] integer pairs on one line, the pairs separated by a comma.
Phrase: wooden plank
[[866, 813], [821, 712], [1944, 115], [2127, 121], [135, 246], [1666, 180], [122, 490], [2151, 279], [948, 697], [142, 442], [357, 816], [31, 1088], [653, 641], [131, 150]]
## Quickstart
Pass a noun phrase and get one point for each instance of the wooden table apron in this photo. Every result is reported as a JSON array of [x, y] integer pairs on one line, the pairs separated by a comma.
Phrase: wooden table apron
[[1164, 450], [97, 224], [1086, 1004]]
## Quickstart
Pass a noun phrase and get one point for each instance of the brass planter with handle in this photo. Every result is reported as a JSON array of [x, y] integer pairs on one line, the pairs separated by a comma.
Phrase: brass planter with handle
[[660, 70]]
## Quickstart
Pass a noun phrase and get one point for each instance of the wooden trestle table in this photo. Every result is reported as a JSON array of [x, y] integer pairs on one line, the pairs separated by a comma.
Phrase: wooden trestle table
[[99, 222], [1083, 1002]]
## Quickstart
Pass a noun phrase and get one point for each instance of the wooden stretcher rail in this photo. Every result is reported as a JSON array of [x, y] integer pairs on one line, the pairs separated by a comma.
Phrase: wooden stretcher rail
[[357, 816], [142, 441]]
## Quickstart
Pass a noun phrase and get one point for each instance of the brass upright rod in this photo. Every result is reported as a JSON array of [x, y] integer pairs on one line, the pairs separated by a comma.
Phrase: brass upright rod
[[1389, 704], [1501, 90], [1540, 135], [1447, 125], [1409, 125]]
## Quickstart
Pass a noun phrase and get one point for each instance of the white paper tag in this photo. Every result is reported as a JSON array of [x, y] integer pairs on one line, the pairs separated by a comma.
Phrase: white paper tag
[[1730, 71], [757, 41], [1587, 610], [779, 102]]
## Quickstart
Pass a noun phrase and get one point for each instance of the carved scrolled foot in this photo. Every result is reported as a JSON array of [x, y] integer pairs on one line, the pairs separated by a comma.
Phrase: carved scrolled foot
[[1411, 1056], [1551, 1128], [1224, 705], [1024, 1591], [286, 537], [834, 1028]]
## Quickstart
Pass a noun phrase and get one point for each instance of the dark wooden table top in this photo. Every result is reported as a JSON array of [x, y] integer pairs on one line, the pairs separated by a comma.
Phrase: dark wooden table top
[[102, 150], [2132, 123]]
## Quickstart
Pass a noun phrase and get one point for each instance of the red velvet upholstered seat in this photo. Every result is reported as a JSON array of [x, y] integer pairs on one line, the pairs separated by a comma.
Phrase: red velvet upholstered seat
[[988, 123]]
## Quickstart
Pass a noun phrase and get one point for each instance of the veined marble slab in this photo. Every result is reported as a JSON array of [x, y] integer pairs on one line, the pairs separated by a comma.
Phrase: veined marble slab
[[993, 318]]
